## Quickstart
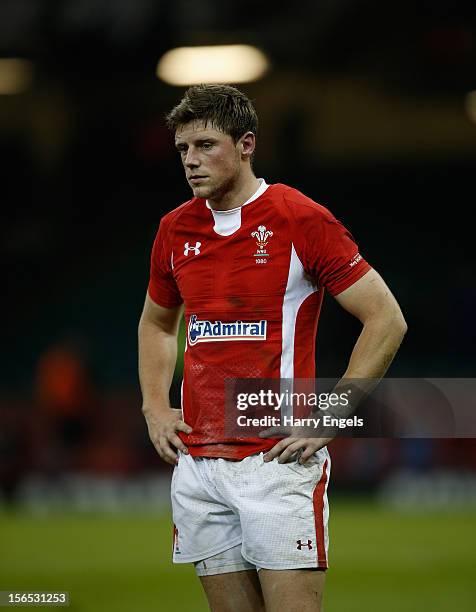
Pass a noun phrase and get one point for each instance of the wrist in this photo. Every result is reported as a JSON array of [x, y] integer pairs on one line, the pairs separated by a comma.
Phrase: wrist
[[155, 408]]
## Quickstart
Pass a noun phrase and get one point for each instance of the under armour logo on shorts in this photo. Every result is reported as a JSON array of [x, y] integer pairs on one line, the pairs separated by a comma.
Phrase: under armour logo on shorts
[[300, 544]]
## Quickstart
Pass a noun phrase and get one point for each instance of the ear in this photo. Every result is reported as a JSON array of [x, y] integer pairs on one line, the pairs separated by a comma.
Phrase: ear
[[246, 145]]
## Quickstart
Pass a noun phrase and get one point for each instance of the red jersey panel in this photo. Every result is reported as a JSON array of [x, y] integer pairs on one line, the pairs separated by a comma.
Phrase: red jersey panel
[[252, 298]]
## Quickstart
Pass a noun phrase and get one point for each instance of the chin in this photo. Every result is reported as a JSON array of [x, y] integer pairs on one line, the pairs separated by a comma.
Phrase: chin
[[201, 191]]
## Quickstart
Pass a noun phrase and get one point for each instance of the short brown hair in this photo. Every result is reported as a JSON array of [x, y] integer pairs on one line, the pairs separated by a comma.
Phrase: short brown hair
[[226, 108]]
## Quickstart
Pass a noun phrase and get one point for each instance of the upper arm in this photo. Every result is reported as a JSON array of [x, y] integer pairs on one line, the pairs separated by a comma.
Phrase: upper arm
[[167, 319], [369, 297]]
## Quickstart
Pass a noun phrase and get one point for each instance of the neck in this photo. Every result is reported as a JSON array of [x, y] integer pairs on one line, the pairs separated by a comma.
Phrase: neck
[[236, 196]]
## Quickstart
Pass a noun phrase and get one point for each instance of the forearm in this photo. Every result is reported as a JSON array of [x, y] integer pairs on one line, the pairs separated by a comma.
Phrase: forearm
[[376, 346], [157, 358], [371, 357]]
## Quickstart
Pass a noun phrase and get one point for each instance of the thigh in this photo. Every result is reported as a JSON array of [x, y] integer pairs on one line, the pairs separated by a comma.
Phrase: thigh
[[234, 592], [297, 590]]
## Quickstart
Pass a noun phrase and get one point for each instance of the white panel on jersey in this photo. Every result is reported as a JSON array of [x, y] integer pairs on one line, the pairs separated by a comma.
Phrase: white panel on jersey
[[298, 288], [227, 222]]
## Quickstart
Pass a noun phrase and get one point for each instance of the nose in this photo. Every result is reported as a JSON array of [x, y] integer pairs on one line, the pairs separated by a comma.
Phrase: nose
[[191, 159]]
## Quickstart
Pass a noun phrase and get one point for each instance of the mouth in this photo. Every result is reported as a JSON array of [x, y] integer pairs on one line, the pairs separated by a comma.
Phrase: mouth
[[195, 179]]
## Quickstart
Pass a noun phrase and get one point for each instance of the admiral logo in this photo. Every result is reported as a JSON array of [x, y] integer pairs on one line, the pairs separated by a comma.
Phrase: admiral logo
[[219, 331]]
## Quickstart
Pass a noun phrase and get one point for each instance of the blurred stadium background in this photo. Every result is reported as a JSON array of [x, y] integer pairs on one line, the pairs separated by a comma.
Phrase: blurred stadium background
[[369, 108]]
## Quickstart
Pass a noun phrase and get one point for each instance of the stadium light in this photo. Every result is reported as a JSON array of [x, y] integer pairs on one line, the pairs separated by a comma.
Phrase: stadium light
[[15, 76], [470, 105], [212, 64]]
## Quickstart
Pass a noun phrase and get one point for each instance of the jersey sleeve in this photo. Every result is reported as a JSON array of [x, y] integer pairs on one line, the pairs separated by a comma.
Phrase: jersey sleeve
[[162, 288], [328, 250]]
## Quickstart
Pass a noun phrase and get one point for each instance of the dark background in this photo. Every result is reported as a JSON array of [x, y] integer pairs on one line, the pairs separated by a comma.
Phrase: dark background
[[363, 110]]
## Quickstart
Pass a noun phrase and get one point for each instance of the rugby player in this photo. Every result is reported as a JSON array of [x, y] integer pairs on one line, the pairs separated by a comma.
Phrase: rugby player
[[248, 263]]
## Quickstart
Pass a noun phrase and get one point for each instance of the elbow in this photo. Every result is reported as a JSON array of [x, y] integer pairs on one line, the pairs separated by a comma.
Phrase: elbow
[[404, 327], [391, 320], [399, 324]]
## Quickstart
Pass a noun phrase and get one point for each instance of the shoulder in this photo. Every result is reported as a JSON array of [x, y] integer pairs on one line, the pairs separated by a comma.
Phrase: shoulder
[[166, 231], [170, 218], [299, 207]]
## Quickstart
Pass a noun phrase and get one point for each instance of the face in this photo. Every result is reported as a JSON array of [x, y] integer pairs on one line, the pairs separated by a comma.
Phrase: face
[[211, 159]]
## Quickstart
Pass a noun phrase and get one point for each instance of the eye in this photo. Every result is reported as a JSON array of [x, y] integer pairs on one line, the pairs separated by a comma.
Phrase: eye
[[207, 146]]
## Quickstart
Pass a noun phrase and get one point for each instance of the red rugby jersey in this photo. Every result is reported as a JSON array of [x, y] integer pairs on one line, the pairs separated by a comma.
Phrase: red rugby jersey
[[252, 281]]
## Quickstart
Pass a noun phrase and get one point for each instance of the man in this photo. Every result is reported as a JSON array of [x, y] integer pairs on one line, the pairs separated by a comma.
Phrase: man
[[249, 262]]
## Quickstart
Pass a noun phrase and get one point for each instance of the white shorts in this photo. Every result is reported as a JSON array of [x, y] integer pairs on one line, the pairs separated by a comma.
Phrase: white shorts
[[278, 513]]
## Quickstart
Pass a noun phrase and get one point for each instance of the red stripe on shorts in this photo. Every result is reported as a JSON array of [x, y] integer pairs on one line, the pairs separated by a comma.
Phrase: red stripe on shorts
[[174, 537], [318, 503]]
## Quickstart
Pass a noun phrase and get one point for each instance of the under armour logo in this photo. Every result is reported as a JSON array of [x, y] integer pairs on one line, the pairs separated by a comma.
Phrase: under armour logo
[[300, 544], [195, 249]]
